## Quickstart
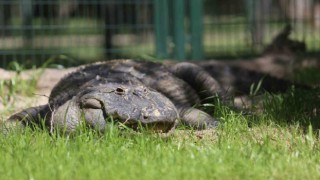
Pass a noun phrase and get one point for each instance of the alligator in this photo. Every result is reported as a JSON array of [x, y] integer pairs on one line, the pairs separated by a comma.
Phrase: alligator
[[136, 93]]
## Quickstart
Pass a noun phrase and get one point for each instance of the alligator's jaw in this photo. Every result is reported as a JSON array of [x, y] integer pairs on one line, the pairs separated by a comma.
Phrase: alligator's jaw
[[158, 127]]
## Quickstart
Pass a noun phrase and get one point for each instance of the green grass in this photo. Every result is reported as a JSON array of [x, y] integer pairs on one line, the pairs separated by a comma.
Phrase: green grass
[[308, 75], [263, 146], [233, 151]]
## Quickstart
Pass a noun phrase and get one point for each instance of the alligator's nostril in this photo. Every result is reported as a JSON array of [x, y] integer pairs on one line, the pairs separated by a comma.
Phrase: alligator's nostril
[[120, 91]]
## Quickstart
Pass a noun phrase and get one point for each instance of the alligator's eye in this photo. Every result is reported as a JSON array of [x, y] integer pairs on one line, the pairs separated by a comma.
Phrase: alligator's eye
[[120, 91], [91, 104]]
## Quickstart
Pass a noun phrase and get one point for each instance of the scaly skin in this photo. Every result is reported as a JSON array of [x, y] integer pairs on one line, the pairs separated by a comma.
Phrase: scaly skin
[[141, 93]]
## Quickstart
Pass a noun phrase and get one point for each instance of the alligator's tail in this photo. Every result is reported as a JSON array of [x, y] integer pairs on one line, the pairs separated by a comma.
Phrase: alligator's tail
[[239, 81]]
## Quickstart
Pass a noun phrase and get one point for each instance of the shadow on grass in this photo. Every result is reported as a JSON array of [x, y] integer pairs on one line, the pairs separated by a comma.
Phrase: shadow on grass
[[296, 106]]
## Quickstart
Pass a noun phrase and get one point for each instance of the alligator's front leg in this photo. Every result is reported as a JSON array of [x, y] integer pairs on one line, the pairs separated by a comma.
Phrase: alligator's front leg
[[34, 116], [206, 87], [196, 118]]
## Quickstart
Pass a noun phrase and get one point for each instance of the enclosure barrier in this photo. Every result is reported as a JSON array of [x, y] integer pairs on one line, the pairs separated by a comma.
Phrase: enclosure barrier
[[76, 31], [179, 28]]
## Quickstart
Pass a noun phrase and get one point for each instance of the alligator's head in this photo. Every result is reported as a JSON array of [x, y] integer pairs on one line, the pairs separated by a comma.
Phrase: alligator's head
[[132, 105]]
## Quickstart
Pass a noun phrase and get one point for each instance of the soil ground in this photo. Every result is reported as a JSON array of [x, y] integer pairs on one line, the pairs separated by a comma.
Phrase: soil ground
[[46, 81]]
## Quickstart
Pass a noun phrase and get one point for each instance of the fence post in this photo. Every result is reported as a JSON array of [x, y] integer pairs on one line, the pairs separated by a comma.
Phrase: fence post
[[196, 13], [177, 9], [179, 29], [161, 27], [257, 12], [26, 8]]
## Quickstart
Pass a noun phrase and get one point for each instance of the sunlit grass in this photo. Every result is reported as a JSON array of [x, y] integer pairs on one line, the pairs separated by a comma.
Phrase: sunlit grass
[[232, 151], [267, 149]]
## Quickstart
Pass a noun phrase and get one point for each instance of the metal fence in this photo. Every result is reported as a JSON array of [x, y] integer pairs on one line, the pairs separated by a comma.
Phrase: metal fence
[[33, 31], [245, 27]]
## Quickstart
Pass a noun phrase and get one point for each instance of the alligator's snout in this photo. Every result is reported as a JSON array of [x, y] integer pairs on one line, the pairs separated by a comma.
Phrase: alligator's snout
[[139, 106]]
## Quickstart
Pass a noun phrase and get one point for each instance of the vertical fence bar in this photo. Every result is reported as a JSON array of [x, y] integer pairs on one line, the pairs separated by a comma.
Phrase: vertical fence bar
[[196, 13], [26, 9], [178, 29], [161, 27], [257, 14], [250, 4]]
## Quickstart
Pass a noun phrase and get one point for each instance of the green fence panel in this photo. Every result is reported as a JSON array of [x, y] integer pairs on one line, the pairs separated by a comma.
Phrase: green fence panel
[[34, 31], [26, 8], [161, 27], [179, 29], [196, 23]]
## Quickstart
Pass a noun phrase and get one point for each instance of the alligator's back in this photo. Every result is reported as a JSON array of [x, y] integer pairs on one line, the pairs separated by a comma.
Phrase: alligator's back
[[160, 77], [151, 74], [76, 81]]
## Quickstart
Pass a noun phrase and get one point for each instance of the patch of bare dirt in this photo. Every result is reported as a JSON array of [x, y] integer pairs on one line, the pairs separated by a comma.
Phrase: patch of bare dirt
[[46, 81]]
